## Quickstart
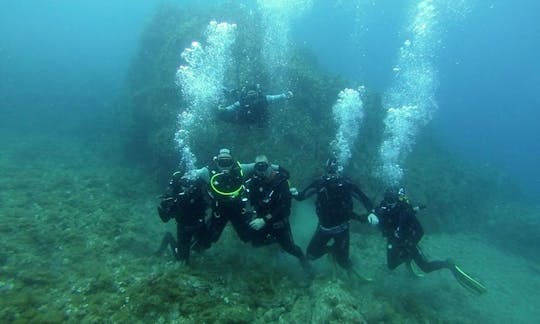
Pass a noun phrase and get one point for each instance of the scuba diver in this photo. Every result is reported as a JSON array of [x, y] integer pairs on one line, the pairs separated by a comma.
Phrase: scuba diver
[[225, 177], [269, 194], [185, 201], [251, 106], [334, 207], [403, 232]]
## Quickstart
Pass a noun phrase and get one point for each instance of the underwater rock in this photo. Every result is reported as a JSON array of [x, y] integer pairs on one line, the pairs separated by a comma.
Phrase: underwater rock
[[153, 101], [334, 304]]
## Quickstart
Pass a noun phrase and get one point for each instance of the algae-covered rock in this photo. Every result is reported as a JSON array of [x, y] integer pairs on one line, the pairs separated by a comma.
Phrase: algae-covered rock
[[333, 304], [153, 100]]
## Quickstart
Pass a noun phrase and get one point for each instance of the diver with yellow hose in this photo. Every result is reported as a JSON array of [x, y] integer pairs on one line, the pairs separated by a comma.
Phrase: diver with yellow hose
[[225, 177]]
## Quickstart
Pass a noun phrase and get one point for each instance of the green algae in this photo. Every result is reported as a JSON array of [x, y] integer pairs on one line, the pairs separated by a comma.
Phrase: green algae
[[97, 264]]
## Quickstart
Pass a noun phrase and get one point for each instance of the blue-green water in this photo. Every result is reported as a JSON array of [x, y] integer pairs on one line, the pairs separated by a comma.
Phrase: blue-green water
[[78, 221]]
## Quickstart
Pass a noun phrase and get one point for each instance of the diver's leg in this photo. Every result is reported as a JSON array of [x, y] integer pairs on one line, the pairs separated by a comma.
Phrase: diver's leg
[[285, 240], [215, 225], [424, 264], [341, 249], [184, 244], [317, 246], [200, 239], [242, 229], [240, 219], [168, 241], [394, 256]]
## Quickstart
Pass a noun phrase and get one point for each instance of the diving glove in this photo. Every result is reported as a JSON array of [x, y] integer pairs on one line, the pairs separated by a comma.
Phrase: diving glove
[[373, 219], [257, 223]]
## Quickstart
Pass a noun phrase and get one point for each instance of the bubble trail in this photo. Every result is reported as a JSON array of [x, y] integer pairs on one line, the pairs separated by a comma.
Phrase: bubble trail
[[201, 83], [348, 114], [410, 102], [277, 16]]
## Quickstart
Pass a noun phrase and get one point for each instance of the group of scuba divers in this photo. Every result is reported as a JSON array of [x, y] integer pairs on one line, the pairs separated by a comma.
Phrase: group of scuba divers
[[256, 199]]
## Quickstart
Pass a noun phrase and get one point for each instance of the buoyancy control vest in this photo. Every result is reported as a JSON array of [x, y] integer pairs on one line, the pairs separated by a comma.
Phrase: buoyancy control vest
[[263, 193], [226, 186], [401, 219], [253, 104], [334, 202]]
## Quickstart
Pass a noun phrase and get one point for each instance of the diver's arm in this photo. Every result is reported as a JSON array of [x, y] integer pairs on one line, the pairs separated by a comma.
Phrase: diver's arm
[[235, 106], [308, 191], [278, 98], [199, 174], [361, 196]]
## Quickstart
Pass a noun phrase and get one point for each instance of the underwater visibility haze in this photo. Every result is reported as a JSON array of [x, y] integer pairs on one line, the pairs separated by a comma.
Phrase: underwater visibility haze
[[102, 101]]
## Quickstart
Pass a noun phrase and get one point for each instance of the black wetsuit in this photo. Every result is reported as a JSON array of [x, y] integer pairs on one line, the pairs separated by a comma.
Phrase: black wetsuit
[[271, 200], [334, 206], [185, 202], [229, 203], [403, 231]]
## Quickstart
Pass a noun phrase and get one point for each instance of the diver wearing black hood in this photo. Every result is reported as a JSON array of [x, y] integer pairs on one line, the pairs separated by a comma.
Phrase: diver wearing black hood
[[251, 106], [334, 207], [185, 201], [270, 196], [225, 177], [398, 223], [403, 231]]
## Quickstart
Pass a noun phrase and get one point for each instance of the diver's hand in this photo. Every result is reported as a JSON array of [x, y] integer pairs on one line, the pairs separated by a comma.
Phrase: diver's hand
[[293, 191], [289, 95], [257, 224], [373, 219], [417, 208]]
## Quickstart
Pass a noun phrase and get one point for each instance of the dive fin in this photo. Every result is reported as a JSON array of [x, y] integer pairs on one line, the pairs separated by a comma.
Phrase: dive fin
[[467, 281], [353, 273]]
